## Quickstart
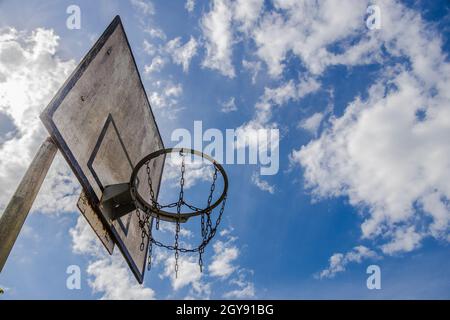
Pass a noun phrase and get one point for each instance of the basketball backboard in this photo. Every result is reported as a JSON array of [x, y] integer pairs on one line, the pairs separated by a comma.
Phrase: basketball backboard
[[102, 122]]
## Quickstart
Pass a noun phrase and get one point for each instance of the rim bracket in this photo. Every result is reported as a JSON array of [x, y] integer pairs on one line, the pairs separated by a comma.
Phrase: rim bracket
[[116, 201]]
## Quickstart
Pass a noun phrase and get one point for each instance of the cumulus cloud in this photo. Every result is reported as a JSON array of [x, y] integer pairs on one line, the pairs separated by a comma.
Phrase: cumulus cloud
[[182, 54], [149, 48], [155, 66], [110, 275], [387, 153], [404, 239], [254, 67], [219, 27], [307, 29], [262, 184], [188, 273], [383, 158], [339, 261], [144, 6], [245, 289], [291, 91], [229, 106], [190, 5], [246, 13], [30, 74], [155, 33], [320, 34], [220, 271], [84, 240], [217, 30], [270, 99], [312, 123], [279, 96], [165, 98], [60, 191], [224, 255]]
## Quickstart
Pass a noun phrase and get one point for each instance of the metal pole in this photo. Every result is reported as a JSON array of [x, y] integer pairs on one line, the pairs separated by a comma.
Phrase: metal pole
[[13, 218]]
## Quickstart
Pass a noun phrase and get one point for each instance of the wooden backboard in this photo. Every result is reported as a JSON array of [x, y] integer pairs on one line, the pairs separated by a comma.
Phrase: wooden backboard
[[103, 124]]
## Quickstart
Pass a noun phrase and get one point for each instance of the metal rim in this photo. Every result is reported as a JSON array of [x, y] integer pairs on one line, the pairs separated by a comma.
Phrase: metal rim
[[183, 216]]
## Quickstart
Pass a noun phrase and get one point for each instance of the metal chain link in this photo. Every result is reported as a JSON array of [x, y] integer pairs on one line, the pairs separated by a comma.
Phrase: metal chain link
[[204, 242], [180, 203], [202, 225], [149, 259], [200, 258], [152, 193], [150, 184], [208, 230]]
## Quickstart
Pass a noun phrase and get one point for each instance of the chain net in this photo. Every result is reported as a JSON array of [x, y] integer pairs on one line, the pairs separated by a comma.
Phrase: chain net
[[208, 228]]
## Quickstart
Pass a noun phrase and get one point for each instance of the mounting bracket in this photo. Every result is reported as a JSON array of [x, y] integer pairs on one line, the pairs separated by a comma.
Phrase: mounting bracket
[[116, 201]]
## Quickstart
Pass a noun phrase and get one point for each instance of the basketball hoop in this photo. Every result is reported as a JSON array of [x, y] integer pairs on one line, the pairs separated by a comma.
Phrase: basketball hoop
[[145, 210]]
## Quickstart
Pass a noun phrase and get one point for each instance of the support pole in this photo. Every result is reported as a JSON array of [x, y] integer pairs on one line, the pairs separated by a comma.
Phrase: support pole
[[13, 218]]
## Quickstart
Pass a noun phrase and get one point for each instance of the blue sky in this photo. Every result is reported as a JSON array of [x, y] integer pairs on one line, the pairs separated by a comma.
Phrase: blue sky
[[364, 158]]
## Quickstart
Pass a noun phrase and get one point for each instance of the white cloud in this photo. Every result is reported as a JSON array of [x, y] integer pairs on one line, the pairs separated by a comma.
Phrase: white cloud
[[222, 262], [84, 240], [182, 54], [312, 123], [200, 285], [380, 145], [144, 7], [246, 13], [155, 66], [403, 240], [307, 29], [109, 274], [165, 98], [339, 261], [173, 90], [188, 272], [229, 106], [389, 162], [245, 289], [189, 275], [282, 94], [60, 190], [262, 184], [246, 292], [254, 67], [274, 97], [149, 48], [30, 73], [287, 91], [217, 30], [155, 33], [190, 5], [220, 26]]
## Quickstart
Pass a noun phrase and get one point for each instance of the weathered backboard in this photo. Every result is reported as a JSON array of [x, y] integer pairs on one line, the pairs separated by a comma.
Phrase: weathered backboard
[[102, 122]]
